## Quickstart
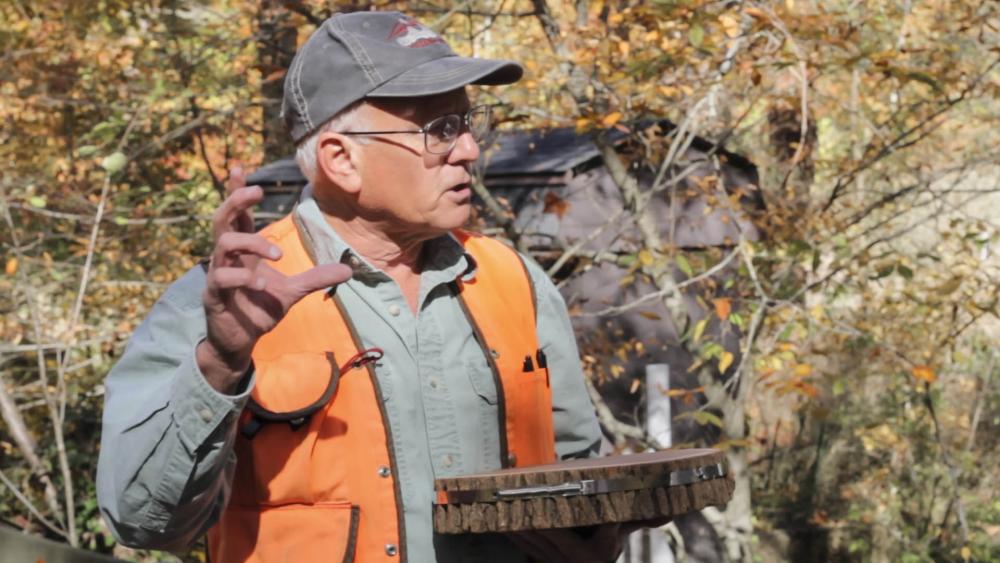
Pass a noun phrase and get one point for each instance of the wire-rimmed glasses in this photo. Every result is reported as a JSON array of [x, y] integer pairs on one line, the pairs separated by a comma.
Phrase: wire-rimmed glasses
[[441, 133]]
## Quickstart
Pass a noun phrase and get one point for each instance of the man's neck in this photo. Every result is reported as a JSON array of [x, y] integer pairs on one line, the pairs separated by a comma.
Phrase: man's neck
[[393, 253]]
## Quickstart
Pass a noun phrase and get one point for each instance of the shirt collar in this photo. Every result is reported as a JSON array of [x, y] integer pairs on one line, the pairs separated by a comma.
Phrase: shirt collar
[[445, 259]]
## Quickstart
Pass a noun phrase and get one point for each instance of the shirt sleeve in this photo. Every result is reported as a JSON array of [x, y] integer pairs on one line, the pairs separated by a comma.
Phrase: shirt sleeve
[[578, 433], [167, 459]]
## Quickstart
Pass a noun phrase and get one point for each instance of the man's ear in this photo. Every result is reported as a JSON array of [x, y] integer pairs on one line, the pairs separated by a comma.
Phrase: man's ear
[[337, 160]]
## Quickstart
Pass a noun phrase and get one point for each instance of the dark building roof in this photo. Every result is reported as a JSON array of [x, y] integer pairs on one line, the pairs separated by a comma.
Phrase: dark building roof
[[542, 151], [533, 152], [280, 172]]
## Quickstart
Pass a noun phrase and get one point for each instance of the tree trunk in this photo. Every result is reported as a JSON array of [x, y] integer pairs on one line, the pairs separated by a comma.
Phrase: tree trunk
[[276, 43]]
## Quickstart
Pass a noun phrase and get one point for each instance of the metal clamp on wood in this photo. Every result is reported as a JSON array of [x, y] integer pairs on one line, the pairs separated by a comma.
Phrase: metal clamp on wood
[[585, 487]]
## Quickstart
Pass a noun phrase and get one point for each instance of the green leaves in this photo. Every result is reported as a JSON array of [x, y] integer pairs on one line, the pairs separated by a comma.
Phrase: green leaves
[[684, 265], [114, 162], [696, 35]]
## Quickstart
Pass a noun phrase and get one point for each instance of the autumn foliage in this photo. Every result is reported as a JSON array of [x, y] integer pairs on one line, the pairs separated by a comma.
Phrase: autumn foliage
[[861, 404]]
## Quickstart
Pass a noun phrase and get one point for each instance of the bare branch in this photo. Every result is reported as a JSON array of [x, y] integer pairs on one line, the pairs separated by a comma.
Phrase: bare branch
[[29, 505], [663, 292]]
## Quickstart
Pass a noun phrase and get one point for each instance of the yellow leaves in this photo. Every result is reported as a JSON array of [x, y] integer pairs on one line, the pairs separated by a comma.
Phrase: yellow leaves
[[668, 91], [699, 329], [611, 119], [880, 437], [725, 360], [966, 553], [722, 307], [816, 312], [802, 370], [702, 417], [645, 257], [11, 267], [924, 373], [730, 24], [624, 48]]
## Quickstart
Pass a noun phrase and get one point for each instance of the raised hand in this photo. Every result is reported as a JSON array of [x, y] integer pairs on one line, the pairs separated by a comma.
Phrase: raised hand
[[244, 297]]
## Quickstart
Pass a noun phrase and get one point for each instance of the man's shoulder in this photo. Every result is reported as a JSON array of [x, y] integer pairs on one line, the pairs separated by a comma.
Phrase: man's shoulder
[[185, 292]]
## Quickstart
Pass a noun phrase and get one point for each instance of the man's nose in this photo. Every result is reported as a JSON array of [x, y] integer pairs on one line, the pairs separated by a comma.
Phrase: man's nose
[[466, 149]]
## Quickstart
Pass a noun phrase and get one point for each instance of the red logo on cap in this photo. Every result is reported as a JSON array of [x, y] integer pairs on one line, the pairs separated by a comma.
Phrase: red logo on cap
[[411, 33]]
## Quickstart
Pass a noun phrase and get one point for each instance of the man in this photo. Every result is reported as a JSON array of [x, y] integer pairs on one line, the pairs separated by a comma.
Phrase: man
[[296, 398]]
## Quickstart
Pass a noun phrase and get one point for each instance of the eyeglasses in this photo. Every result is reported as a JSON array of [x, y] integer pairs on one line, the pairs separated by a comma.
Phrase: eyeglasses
[[441, 134]]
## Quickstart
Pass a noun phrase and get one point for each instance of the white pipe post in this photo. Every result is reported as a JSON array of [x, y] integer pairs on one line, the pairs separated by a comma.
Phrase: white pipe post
[[650, 546]]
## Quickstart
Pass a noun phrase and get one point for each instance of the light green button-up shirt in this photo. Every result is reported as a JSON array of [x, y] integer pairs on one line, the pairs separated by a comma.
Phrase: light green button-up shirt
[[167, 457]]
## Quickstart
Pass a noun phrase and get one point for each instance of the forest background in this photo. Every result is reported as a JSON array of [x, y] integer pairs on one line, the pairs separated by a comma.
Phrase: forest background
[[860, 410]]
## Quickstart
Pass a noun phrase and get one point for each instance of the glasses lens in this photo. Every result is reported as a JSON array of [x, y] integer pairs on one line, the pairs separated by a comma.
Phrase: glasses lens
[[441, 133], [480, 122]]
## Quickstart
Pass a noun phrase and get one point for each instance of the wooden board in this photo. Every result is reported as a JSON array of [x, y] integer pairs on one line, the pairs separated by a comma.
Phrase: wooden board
[[702, 473]]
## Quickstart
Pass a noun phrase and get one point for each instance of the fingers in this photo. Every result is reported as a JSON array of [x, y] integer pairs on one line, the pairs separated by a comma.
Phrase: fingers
[[536, 546], [233, 278], [567, 545], [320, 277], [237, 179], [231, 246], [234, 213], [652, 523]]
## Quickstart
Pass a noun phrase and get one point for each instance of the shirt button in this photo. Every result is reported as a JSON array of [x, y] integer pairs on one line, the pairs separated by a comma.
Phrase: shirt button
[[512, 459], [434, 383], [206, 415], [446, 460], [391, 549], [384, 471], [394, 310]]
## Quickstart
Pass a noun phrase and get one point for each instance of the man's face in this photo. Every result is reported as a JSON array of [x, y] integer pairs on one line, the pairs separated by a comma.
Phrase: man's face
[[407, 189]]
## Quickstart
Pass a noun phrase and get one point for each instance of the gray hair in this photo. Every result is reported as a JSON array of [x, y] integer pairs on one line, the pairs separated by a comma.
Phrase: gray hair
[[346, 120]]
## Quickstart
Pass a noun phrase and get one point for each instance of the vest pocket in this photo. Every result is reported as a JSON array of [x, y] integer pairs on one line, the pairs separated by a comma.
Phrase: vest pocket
[[301, 533]]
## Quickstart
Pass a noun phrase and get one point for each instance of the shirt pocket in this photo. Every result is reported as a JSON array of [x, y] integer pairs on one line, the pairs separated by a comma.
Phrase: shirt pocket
[[481, 377]]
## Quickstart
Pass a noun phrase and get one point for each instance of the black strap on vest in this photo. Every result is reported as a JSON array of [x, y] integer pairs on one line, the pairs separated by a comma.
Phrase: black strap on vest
[[259, 416]]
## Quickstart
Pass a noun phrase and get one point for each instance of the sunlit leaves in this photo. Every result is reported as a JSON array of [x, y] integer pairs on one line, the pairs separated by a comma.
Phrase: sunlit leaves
[[723, 307], [924, 373], [114, 162]]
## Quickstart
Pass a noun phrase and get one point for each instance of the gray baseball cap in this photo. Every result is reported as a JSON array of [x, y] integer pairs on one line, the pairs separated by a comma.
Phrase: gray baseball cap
[[376, 55]]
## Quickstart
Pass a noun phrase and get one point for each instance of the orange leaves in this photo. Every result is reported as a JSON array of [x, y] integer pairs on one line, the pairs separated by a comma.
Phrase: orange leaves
[[11, 267], [555, 205], [924, 373], [611, 119], [722, 307]]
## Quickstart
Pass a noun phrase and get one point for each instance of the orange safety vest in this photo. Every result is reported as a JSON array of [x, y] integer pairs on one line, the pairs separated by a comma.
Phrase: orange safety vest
[[315, 473]]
